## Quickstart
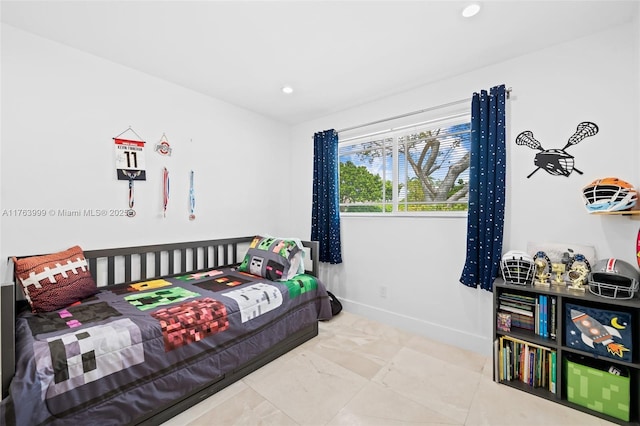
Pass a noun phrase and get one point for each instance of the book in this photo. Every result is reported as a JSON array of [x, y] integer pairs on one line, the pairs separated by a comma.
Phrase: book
[[508, 362], [501, 358], [552, 374], [504, 321], [537, 316], [525, 366], [530, 300], [545, 370], [532, 366], [552, 328], [516, 310], [545, 332], [523, 306]]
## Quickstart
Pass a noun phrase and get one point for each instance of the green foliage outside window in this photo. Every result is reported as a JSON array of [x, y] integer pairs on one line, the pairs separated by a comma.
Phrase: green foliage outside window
[[432, 167]]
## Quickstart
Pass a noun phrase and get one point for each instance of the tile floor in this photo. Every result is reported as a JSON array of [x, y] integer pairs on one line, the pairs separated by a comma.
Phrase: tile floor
[[360, 372]]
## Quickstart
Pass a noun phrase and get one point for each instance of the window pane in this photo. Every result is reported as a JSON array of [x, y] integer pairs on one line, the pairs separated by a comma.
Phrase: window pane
[[433, 168], [366, 176]]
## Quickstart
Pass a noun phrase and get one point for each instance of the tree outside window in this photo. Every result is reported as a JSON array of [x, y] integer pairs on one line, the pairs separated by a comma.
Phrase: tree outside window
[[413, 171]]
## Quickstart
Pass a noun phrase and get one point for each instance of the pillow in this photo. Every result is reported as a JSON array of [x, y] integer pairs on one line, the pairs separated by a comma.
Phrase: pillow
[[273, 258], [298, 257], [55, 281]]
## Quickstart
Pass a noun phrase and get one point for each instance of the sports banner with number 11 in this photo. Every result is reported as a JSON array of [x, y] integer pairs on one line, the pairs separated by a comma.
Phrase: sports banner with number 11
[[130, 159]]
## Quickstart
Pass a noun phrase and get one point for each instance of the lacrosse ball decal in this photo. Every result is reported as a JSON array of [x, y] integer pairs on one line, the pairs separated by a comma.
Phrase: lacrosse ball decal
[[556, 161]]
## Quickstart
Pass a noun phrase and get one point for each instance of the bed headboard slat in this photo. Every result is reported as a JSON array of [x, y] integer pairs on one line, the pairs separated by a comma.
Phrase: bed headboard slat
[[127, 268], [111, 269], [93, 267], [183, 260], [205, 256], [171, 262], [234, 251], [143, 265], [156, 261]]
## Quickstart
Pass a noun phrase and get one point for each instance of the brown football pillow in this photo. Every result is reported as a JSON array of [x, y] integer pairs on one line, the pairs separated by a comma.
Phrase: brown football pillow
[[55, 281]]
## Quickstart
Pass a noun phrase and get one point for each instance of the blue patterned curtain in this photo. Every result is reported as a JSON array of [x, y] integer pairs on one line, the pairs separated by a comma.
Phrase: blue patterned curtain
[[325, 214], [487, 171]]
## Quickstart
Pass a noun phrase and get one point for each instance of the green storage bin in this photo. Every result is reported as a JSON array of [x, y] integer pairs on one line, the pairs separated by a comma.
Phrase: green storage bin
[[598, 390]]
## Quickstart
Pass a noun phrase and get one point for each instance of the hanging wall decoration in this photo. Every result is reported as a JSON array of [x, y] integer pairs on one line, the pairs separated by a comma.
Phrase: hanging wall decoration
[[192, 198], [556, 162], [638, 248], [163, 147], [165, 191], [130, 162]]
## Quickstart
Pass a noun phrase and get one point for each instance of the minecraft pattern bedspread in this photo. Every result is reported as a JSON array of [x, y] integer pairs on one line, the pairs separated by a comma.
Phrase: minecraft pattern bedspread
[[132, 348]]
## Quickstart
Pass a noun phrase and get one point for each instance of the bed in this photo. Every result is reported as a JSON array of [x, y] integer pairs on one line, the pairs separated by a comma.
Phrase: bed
[[169, 326]]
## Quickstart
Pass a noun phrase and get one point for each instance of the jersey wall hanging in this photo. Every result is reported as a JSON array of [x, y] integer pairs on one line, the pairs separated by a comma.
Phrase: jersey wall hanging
[[556, 162], [130, 162]]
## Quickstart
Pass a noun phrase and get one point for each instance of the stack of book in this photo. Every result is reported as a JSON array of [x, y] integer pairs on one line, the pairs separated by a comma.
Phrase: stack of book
[[531, 364], [531, 313]]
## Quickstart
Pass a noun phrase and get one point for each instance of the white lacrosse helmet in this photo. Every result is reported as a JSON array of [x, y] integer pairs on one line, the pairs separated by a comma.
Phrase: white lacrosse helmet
[[609, 194], [517, 267]]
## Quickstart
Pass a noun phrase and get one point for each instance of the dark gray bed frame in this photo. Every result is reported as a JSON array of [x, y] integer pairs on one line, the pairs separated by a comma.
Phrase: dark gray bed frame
[[155, 261]]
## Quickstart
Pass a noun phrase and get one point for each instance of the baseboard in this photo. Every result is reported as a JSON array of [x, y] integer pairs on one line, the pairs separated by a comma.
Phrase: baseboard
[[475, 343]]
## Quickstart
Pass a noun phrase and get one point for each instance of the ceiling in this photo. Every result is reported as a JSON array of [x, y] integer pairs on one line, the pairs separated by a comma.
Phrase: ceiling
[[335, 54]]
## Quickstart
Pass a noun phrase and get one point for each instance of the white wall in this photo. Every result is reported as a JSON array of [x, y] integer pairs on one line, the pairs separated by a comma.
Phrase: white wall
[[60, 110], [419, 260]]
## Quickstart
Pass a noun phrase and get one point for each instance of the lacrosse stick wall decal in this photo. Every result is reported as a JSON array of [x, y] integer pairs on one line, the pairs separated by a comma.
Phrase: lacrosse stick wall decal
[[556, 162]]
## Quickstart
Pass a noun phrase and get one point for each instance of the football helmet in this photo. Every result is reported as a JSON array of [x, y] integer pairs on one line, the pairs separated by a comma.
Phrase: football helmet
[[614, 278]]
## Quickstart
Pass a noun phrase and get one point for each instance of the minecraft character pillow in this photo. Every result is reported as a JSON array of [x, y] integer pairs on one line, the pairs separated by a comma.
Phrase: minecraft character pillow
[[55, 281], [273, 258]]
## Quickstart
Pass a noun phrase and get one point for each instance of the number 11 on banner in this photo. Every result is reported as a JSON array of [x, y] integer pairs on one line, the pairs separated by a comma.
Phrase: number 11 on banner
[[130, 159]]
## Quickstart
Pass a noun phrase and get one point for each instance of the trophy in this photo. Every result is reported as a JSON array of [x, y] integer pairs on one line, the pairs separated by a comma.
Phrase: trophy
[[541, 262], [558, 269], [579, 269]]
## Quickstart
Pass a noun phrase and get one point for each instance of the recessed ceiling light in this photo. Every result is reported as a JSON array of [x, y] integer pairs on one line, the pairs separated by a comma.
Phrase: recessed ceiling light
[[471, 10], [287, 90]]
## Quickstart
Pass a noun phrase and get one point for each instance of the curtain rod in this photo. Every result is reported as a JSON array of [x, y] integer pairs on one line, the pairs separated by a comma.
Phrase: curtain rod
[[408, 114]]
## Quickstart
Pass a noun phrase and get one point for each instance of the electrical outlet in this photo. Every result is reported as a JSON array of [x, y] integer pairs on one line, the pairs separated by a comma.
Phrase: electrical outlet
[[383, 291]]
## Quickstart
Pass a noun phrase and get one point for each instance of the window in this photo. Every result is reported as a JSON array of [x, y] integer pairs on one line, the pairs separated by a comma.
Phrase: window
[[422, 168]]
